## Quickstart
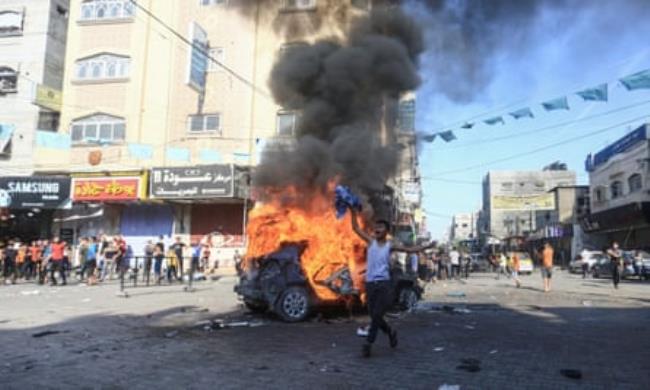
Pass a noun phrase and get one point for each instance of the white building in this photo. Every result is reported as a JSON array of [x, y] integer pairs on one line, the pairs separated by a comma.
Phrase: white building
[[513, 201], [620, 191], [32, 51], [464, 226]]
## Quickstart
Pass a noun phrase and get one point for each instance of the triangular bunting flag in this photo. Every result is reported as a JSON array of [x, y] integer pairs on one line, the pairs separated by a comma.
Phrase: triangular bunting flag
[[467, 125], [447, 136], [596, 94], [429, 137], [494, 121], [522, 113], [640, 80], [556, 104], [140, 151]]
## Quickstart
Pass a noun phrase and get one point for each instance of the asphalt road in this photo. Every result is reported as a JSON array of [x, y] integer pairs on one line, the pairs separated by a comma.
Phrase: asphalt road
[[479, 334]]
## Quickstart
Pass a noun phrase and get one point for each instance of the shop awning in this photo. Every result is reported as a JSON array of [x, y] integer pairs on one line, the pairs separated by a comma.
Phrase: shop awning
[[618, 218]]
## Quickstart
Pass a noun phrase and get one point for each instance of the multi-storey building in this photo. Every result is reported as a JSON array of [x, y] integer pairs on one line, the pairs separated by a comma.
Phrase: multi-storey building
[[514, 202], [463, 227], [146, 116], [32, 47], [620, 191]]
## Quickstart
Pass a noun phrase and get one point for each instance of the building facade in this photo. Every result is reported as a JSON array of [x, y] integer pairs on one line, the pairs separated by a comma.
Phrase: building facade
[[620, 191], [515, 203], [464, 227], [146, 117], [32, 49]]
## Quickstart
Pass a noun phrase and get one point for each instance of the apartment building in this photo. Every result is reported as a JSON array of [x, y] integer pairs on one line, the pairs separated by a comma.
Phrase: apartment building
[[32, 48], [516, 202], [146, 116], [620, 191], [464, 227]]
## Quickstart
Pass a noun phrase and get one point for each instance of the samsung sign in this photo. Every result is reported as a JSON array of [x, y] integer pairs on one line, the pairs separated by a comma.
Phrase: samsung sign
[[620, 146], [35, 192]]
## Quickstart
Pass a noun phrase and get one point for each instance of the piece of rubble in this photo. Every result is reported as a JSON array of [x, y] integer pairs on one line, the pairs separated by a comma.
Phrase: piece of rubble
[[31, 292], [171, 334], [449, 387], [456, 294], [439, 349], [571, 373]]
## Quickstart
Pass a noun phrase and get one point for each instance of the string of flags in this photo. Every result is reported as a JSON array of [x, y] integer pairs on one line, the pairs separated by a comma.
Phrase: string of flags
[[598, 93]]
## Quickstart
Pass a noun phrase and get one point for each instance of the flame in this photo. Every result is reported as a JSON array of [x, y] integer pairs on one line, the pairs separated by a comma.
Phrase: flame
[[331, 243]]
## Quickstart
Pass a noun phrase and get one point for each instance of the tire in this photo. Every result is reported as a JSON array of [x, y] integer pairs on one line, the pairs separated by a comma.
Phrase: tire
[[293, 304], [255, 307], [407, 298]]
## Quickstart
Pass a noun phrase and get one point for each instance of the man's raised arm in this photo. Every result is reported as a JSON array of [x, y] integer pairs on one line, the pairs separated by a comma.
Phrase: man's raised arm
[[357, 229]]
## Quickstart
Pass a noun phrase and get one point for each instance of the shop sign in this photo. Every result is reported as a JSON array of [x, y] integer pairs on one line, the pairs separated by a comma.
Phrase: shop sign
[[208, 181], [106, 188], [35, 192], [620, 146], [529, 203]]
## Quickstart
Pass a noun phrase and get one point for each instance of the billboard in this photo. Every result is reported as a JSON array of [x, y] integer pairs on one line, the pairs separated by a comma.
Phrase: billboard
[[207, 181], [35, 192], [530, 202]]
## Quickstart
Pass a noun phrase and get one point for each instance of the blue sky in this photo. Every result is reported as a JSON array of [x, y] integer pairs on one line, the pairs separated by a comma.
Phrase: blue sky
[[563, 51]]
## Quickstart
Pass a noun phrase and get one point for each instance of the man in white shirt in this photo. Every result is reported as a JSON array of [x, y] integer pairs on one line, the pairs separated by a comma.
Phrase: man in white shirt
[[454, 258]]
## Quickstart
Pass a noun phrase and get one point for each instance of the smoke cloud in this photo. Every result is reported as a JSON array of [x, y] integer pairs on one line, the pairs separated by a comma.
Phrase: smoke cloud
[[341, 90]]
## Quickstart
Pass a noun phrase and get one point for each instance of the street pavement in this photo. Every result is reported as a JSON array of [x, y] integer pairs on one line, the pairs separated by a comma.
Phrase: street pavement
[[481, 333]]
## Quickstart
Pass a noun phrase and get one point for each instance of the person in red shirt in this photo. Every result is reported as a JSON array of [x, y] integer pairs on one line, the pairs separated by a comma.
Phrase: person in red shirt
[[57, 252], [35, 258]]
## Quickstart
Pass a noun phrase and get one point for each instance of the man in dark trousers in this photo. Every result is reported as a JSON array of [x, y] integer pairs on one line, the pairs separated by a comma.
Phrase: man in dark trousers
[[57, 250], [615, 257], [178, 250], [378, 284]]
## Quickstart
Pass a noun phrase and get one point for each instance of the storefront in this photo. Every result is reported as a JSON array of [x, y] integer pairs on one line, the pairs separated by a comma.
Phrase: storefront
[[216, 202], [629, 225], [27, 205]]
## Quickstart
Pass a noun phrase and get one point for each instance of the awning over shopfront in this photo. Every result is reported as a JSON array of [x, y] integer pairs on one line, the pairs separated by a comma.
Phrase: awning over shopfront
[[620, 218]]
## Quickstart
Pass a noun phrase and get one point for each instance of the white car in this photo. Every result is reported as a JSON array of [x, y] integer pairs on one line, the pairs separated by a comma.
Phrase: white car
[[589, 257]]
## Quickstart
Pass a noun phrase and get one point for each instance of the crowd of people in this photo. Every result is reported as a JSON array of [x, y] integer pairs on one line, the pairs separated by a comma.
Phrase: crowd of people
[[97, 259]]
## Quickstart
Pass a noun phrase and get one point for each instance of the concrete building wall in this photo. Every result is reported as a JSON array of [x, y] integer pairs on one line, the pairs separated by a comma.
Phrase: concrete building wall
[[519, 184], [36, 54], [463, 226]]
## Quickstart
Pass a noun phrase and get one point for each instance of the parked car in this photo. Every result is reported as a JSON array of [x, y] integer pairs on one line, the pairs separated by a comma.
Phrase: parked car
[[276, 283], [525, 262], [635, 264], [479, 263], [589, 257], [603, 269]]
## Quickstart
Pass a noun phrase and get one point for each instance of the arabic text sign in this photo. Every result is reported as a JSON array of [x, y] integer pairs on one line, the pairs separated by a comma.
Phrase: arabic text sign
[[533, 202], [34, 192], [105, 188], [208, 181]]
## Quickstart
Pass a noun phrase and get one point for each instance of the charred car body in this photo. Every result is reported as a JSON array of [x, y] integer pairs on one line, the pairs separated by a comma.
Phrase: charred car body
[[277, 283]]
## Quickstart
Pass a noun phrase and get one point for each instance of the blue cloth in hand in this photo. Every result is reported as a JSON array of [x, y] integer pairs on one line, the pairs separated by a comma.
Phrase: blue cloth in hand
[[345, 198]]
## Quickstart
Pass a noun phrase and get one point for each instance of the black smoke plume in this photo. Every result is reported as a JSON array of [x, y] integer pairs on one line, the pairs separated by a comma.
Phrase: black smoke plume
[[341, 90]]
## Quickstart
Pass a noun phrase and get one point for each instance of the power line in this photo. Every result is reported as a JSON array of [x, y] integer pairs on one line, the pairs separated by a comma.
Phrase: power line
[[550, 146], [201, 51]]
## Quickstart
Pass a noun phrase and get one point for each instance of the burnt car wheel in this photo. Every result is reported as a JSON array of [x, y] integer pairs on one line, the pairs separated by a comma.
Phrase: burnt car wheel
[[407, 298], [293, 305]]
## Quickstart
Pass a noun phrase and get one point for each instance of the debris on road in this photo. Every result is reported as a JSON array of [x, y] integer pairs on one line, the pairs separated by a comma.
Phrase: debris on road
[[362, 331], [456, 294], [218, 324], [171, 334], [586, 303], [469, 365], [31, 292], [439, 349], [492, 352], [430, 306], [449, 387], [470, 327], [48, 333], [571, 373]]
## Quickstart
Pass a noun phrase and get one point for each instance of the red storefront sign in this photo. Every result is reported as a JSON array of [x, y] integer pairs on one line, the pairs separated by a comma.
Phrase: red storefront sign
[[105, 189]]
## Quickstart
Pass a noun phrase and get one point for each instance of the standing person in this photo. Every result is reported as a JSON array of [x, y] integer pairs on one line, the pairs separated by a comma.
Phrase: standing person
[[178, 247], [9, 263], [516, 263], [467, 263], [57, 254], [378, 284], [91, 260], [148, 258], [172, 265], [503, 262], [45, 261], [83, 257], [547, 266], [110, 251], [158, 256], [205, 255], [121, 257], [615, 257], [35, 258], [196, 256], [454, 259]]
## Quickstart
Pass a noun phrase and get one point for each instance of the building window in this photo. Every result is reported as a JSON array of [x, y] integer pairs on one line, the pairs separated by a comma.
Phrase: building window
[[98, 128], [103, 67], [48, 120], [212, 2], [616, 189], [93, 10], [206, 123], [506, 186], [299, 5], [286, 123], [11, 23], [599, 195], [218, 54], [8, 80], [635, 182]]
